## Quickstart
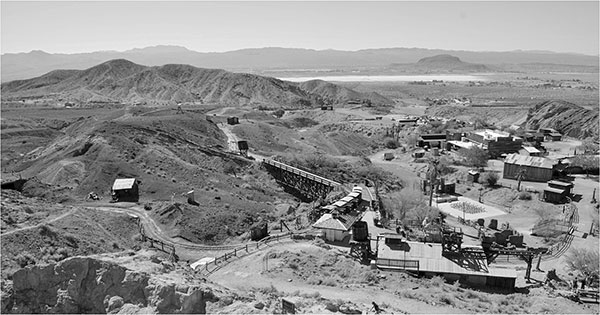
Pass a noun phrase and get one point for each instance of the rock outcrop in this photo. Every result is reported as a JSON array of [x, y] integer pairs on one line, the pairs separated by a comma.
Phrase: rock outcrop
[[86, 285]]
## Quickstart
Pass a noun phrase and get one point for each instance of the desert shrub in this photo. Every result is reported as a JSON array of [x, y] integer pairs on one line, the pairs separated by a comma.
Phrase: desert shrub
[[370, 277], [437, 281], [524, 195], [445, 298], [331, 306], [24, 259], [45, 230], [489, 179], [293, 265], [390, 143], [278, 113], [583, 260], [330, 281]]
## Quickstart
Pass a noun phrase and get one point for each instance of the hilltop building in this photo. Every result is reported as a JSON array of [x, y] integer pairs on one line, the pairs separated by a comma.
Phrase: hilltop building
[[125, 189]]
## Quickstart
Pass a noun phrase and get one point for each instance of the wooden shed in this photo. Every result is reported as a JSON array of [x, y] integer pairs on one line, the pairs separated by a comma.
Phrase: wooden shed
[[125, 189], [233, 120], [554, 195], [536, 169], [388, 156]]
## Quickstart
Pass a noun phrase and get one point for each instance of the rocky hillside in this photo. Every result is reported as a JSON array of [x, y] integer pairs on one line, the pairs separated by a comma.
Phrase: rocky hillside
[[339, 94], [568, 118], [122, 81]]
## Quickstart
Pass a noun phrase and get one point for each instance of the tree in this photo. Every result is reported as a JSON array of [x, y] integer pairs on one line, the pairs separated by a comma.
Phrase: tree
[[489, 179], [231, 168], [588, 146], [474, 156], [583, 260]]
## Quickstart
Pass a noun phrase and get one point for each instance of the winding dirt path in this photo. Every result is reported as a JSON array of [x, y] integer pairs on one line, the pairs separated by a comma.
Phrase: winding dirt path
[[70, 212]]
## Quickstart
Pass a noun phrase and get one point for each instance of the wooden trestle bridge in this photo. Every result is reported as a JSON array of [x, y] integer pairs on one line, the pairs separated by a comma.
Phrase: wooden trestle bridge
[[310, 185]]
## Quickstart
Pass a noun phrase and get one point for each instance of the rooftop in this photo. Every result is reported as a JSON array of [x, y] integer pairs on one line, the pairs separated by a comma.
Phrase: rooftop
[[489, 134], [554, 190], [559, 183], [123, 183], [534, 161], [337, 222], [531, 149], [462, 144], [430, 259]]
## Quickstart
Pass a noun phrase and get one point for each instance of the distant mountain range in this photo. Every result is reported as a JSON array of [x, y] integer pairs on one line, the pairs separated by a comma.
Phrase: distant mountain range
[[123, 81], [35, 63]]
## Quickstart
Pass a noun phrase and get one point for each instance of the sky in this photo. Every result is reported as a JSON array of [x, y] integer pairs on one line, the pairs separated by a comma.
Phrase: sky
[[86, 26]]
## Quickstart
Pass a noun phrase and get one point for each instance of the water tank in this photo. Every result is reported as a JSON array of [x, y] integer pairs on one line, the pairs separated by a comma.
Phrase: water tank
[[360, 231]]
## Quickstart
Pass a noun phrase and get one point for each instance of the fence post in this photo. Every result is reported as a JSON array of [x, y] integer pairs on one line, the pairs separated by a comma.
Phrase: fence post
[[246, 248], [235, 252]]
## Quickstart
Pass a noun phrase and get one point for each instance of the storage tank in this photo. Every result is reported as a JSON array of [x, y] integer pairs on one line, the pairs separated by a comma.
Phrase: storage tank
[[360, 231]]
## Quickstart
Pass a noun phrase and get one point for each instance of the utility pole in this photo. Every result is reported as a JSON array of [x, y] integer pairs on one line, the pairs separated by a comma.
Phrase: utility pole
[[520, 176]]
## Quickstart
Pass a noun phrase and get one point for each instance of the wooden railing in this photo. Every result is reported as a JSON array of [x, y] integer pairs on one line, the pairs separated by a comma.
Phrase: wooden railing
[[398, 263]]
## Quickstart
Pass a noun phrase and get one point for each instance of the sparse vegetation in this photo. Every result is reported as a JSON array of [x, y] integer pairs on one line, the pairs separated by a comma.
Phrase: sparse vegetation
[[583, 260]]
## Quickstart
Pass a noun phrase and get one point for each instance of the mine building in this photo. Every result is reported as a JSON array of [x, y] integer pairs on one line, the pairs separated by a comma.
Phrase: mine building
[[125, 189], [555, 136], [547, 131], [533, 137], [432, 141], [530, 151], [534, 169], [388, 156], [394, 252], [495, 142], [336, 227]]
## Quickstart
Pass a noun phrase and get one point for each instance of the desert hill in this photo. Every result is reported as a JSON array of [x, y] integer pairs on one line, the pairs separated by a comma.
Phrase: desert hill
[[35, 63], [568, 118], [449, 63], [122, 81], [339, 94]]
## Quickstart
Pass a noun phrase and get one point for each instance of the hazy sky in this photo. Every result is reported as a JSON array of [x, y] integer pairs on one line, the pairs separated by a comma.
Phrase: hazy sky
[[69, 27]]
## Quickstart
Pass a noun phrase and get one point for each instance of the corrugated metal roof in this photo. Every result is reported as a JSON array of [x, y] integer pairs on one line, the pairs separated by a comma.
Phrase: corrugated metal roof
[[123, 183], [524, 160]]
